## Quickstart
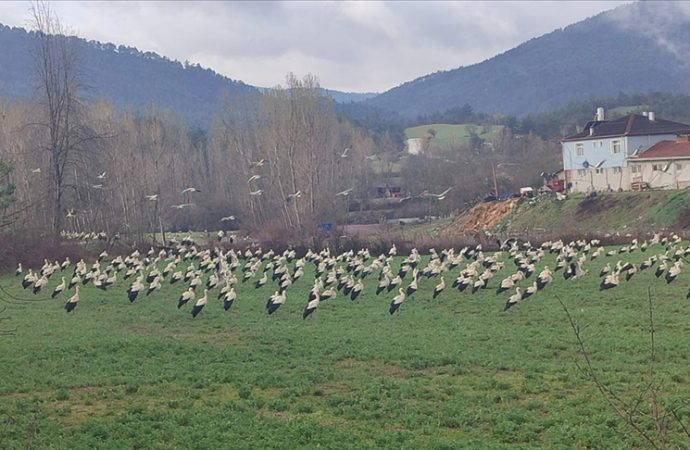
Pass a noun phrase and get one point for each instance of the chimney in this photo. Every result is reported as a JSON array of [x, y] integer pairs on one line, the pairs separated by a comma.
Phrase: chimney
[[591, 131], [600, 114], [651, 116]]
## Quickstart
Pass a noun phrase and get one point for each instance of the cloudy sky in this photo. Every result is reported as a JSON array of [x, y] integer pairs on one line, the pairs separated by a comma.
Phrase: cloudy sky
[[363, 46]]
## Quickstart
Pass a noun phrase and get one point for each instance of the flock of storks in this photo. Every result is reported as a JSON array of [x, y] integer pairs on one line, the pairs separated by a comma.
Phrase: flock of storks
[[471, 269]]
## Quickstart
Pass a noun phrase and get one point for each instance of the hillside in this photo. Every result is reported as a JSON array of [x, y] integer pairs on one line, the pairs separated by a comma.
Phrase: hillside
[[134, 79], [617, 51], [608, 213], [450, 136]]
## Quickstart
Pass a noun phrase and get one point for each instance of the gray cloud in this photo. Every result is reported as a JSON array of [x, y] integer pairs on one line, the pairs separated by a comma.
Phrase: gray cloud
[[351, 46], [661, 21]]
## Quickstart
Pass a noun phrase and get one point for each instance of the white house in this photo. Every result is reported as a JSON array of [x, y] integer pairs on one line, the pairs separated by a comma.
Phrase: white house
[[596, 158]]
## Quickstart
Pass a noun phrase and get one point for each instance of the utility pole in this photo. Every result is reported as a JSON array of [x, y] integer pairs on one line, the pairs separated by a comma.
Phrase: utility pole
[[493, 170]]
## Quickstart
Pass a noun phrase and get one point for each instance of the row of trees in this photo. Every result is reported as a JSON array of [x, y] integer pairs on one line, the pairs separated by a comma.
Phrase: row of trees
[[567, 119], [281, 167]]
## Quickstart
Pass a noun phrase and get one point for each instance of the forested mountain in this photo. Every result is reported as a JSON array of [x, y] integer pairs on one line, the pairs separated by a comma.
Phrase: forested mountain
[[634, 48], [124, 76], [134, 79]]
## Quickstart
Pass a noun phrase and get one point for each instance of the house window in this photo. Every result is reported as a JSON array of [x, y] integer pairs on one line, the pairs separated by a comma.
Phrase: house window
[[616, 147], [581, 172], [601, 144], [679, 166], [617, 169], [579, 149], [635, 168], [600, 170], [594, 144], [658, 167]]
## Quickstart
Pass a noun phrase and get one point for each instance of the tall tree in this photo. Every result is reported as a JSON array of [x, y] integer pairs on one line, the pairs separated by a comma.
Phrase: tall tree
[[56, 63], [6, 194]]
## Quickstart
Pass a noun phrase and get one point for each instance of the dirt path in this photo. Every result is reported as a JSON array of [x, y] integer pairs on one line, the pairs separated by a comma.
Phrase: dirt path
[[482, 216]]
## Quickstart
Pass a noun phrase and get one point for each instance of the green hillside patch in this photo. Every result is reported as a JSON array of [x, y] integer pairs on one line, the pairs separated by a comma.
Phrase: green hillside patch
[[621, 111], [605, 213], [449, 136]]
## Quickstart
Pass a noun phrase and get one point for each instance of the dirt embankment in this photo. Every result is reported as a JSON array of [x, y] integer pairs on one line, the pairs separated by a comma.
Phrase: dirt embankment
[[482, 216]]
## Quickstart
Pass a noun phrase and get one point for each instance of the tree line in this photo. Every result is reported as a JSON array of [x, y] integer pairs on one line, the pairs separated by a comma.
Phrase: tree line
[[120, 172]]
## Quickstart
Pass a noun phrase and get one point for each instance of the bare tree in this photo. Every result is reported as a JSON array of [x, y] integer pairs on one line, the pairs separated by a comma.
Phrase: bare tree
[[6, 195], [56, 63]]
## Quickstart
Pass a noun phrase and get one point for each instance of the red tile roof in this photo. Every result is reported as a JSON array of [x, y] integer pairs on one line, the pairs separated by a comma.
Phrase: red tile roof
[[665, 149]]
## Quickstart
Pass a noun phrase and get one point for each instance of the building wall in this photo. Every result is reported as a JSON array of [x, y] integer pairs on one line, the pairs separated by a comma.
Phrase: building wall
[[614, 173], [414, 146], [602, 179], [594, 151], [597, 150], [677, 176]]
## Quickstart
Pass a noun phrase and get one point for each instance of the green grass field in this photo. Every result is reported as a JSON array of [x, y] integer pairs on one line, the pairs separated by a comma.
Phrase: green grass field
[[454, 372], [449, 137], [621, 111]]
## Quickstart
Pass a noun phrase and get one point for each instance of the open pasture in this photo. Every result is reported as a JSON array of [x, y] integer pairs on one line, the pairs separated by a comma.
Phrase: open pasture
[[452, 136], [452, 372]]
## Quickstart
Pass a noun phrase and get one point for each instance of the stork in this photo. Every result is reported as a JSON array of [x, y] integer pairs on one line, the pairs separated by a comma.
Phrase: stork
[[72, 302], [397, 301], [200, 304]]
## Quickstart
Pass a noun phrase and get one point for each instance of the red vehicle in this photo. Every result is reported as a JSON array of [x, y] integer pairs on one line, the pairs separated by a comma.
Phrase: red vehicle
[[556, 185]]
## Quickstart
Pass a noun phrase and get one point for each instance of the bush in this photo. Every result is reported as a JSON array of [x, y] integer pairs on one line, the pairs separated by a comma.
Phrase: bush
[[61, 395], [244, 392]]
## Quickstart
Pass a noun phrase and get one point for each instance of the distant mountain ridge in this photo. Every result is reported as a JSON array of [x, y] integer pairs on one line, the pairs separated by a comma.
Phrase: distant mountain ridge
[[123, 75], [130, 78], [634, 48]]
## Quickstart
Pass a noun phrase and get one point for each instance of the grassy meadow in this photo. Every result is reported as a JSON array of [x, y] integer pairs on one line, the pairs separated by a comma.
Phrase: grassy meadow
[[452, 136], [454, 372]]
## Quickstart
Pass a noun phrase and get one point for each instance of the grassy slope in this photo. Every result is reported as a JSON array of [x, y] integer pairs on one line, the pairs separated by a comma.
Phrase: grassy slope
[[448, 373], [451, 136], [609, 213], [621, 111]]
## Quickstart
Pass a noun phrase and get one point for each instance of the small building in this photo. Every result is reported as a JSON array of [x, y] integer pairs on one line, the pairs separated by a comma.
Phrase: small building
[[415, 146], [389, 191], [596, 158], [665, 165]]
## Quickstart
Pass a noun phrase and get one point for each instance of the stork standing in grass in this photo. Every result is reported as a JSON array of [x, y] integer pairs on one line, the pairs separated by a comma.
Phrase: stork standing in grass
[[356, 289], [514, 299], [185, 297], [229, 298], [135, 288], [439, 288], [314, 300], [545, 277], [73, 300], [200, 304], [412, 288], [397, 301], [274, 301], [59, 288], [609, 282]]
